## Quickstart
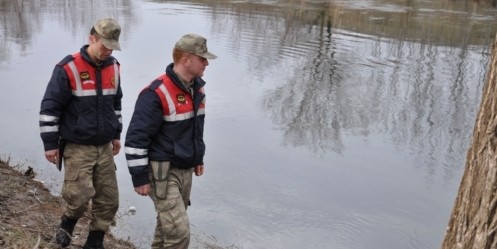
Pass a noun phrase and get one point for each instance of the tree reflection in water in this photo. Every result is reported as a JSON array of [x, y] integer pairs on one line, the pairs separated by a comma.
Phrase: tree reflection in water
[[409, 72], [20, 20], [412, 70]]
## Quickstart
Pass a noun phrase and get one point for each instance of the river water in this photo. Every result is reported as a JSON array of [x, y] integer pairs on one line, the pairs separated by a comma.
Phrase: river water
[[330, 124]]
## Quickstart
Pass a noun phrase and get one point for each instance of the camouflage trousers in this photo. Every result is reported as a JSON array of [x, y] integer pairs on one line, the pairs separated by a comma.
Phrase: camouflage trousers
[[170, 193], [90, 175]]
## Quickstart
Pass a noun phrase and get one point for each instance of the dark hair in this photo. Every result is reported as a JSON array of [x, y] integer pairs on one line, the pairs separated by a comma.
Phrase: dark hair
[[94, 33]]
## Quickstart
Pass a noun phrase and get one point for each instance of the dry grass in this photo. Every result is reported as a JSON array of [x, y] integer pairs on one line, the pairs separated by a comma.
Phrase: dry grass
[[29, 214]]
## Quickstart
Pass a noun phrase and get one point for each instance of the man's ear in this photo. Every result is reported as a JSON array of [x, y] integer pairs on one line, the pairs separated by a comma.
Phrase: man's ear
[[184, 59], [92, 39]]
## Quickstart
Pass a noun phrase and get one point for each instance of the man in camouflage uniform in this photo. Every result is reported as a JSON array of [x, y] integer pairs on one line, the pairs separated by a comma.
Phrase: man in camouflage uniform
[[80, 123], [164, 142]]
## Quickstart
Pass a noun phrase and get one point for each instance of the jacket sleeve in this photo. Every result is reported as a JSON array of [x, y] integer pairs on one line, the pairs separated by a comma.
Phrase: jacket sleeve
[[117, 109], [57, 95], [145, 124]]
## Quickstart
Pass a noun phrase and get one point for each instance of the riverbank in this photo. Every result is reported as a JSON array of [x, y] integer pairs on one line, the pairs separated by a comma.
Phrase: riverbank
[[30, 214]]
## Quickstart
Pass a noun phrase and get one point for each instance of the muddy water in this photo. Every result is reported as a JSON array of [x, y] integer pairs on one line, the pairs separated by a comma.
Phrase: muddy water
[[330, 124]]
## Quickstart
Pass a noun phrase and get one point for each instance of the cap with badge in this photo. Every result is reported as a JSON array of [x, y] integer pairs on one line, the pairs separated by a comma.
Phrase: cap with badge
[[195, 44], [109, 30]]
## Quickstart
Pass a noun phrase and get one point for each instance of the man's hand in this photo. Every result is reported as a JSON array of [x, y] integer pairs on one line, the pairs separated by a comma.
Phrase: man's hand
[[143, 189], [199, 170], [116, 146], [52, 155]]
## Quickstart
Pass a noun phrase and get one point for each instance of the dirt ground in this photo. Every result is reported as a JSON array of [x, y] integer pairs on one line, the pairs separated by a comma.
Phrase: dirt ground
[[30, 214]]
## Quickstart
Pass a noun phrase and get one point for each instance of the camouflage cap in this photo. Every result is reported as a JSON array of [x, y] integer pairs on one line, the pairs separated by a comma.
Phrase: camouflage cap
[[109, 31], [194, 44]]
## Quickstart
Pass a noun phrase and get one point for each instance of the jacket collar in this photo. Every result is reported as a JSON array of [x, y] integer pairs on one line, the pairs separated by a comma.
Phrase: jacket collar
[[84, 54], [197, 82]]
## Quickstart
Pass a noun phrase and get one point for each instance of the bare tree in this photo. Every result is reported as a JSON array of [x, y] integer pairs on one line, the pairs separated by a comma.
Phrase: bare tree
[[473, 223]]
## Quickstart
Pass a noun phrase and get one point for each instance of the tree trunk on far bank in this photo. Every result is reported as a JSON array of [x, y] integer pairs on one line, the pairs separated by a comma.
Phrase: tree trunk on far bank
[[473, 223]]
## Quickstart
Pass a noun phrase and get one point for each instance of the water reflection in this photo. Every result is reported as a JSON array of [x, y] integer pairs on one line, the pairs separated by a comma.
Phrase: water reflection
[[426, 101], [14, 25], [20, 20], [403, 63], [409, 69], [407, 73], [466, 22]]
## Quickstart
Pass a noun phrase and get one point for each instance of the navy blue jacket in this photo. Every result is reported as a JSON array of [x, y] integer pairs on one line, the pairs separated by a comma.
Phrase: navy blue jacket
[[82, 102], [167, 125]]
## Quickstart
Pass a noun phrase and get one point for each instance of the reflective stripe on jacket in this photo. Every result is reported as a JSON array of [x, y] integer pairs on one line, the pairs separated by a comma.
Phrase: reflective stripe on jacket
[[83, 78], [82, 102], [167, 125]]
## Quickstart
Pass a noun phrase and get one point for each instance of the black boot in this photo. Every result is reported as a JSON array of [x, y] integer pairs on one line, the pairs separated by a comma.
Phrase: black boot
[[64, 232], [95, 240]]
